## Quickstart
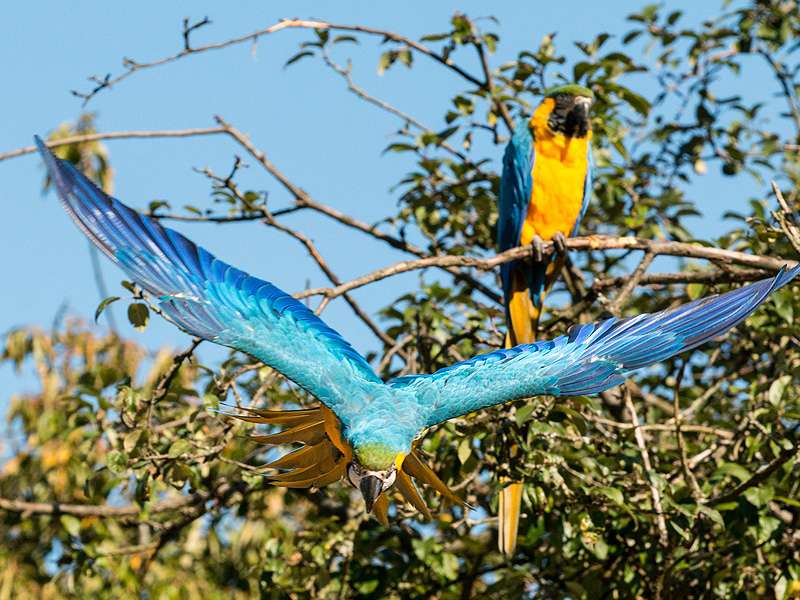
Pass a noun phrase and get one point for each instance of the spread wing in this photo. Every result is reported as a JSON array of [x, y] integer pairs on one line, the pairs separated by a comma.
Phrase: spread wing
[[587, 189], [515, 194], [213, 300], [592, 358]]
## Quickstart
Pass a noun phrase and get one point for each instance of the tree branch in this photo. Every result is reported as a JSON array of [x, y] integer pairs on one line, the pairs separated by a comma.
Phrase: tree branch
[[114, 135], [597, 243], [133, 66], [88, 510], [303, 199]]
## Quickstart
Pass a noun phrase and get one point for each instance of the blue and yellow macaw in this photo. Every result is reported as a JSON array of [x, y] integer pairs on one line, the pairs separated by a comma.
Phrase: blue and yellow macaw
[[365, 429], [544, 192]]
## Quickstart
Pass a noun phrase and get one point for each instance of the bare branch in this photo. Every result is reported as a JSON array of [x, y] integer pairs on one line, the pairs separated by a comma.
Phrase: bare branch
[[654, 247], [691, 480], [616, 306], [131, 66], [786, 218], [382, 104], [114, 135], [88, 510], [489, 86], [302, 198]]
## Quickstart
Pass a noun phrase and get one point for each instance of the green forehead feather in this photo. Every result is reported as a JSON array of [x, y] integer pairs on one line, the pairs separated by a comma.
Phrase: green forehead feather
[[375, 457], [573, 89]]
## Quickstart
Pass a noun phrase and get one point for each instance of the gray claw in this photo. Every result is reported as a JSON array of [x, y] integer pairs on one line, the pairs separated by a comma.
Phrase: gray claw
[[538, 248], [560, 243]]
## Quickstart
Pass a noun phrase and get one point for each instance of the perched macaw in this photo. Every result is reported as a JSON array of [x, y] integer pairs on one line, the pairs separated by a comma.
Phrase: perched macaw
[[544, 192], [365, 429]]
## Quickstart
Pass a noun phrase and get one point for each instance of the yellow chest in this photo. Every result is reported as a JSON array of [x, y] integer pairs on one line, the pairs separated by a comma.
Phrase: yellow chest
[[559, 176]]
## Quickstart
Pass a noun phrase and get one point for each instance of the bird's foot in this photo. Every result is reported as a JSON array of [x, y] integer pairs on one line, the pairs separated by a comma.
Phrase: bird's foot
[[560, 243], [537, 248]]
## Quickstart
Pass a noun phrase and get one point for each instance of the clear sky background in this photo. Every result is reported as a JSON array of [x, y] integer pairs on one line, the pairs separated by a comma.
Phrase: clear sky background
[[324, 138]]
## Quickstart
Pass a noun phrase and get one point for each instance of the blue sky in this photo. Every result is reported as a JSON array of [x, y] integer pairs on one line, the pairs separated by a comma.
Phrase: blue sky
[[325, 139]]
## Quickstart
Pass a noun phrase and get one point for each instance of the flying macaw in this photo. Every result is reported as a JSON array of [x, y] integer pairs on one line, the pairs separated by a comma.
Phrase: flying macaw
[[544, 192], [365, 429]]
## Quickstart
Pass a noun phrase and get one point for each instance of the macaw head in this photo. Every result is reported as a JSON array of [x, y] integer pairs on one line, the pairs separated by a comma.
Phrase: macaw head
[[373, 470], [570, 106]]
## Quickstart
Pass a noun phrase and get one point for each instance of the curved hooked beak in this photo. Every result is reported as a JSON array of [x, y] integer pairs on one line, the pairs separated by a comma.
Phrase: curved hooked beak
[[580, 109], [370, 487], [578, 117]]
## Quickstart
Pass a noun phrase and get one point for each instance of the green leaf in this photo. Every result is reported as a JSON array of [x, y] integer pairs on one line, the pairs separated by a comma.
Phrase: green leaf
[[695, 290], [71, 524], [524, 412], [117, 461], [784, 305], [777, 389], [297, 57], [178, 448], [102, 306], [759, 496], [733, 469], [138, 315], [612, 494], [712, 514], [464, 450]]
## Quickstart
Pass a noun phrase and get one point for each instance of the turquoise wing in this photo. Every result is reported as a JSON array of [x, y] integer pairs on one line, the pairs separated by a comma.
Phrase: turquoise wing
[[587, 190], [215, 301], [515, 194], [590, 359]]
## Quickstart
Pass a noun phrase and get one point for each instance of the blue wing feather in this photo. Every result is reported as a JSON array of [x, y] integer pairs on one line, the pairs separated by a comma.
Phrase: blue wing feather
[[211, 299], [515, 193], [589, 359]]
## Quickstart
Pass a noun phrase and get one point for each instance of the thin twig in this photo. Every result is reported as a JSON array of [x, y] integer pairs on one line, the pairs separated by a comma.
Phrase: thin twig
[[663, 534], [786, 219], [302, 198], [382, 104], [691, 480], [489, 86], [114, 135], [785, 456], [88, 510], [615, 307], [131, 66]]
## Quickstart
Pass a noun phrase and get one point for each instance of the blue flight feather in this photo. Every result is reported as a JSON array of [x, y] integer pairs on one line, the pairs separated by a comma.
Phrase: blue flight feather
[[209, 298], [590, 358]]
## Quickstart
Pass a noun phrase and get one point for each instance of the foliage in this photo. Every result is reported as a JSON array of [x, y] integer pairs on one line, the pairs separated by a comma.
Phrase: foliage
[[157, 491]]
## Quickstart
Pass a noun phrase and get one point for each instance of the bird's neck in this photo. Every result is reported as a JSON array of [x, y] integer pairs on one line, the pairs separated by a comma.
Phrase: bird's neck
[[376, 456]]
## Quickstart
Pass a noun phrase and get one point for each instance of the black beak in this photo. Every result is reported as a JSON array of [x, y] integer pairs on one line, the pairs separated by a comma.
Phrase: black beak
[[581, 111], [577, 123], [371, 487]]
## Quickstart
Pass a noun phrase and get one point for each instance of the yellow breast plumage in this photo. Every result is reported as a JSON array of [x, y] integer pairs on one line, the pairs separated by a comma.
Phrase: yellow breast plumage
[[559, 173]]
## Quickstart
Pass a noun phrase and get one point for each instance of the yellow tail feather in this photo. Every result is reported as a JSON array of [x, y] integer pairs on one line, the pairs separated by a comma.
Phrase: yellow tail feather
[[419, 470], [307, 433], [509, 504], [328, 478], [303, 457], [381, 510], [410, 493]]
